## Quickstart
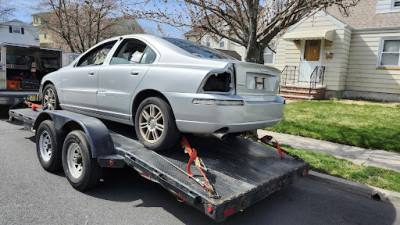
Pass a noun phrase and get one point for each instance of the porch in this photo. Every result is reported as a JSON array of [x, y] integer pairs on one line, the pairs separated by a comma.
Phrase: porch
[[293, 87]]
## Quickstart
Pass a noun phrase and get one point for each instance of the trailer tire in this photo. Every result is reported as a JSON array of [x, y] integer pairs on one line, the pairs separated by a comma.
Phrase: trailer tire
[[161, 140], [82, 171], [51, 93], [49, 146]]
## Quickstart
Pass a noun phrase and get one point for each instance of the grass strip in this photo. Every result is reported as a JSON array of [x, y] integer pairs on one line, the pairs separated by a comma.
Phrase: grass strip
[[327, 164], [366, 126]]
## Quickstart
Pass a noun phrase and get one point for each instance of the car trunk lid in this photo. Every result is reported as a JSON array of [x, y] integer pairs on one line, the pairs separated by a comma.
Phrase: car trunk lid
[[256, 79]]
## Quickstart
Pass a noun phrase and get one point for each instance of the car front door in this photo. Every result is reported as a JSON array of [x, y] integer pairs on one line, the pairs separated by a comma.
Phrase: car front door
[[79, 85], [119, 79]]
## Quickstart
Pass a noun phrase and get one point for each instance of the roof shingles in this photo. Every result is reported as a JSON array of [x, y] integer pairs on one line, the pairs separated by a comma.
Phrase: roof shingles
[[364, 15]]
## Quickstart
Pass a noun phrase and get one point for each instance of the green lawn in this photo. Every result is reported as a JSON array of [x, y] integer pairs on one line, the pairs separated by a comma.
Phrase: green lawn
[[325, 163], [366, 126]]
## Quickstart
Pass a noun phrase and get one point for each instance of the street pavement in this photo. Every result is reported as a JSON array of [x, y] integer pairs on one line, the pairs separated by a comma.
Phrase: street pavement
[[30, 195], [360, 156]]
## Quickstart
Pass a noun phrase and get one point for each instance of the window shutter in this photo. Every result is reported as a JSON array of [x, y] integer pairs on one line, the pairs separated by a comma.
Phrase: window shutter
[[22, 30], [10, 29]]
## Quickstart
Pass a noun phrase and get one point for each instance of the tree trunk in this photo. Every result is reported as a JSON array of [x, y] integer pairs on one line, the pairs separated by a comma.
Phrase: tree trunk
[[255, 53]]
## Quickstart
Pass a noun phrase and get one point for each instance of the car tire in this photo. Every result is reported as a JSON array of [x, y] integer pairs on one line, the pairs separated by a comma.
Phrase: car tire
[[82, 171], [50, 98], [155, 124], [49, 146]]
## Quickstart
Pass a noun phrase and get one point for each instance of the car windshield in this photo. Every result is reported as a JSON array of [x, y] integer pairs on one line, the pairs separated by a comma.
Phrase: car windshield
[[198, 49]]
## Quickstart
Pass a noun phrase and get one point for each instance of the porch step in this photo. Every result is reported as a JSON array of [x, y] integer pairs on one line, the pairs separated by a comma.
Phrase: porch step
[[297, 93]]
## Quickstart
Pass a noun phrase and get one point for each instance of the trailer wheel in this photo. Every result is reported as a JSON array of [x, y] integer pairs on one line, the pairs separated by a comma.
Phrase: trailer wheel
[[155, 124], [49, 146], [50, 98], [82, 171]]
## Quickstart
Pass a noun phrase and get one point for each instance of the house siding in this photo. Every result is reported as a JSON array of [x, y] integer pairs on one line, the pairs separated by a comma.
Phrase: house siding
[[30, 36], [384, 6], [363, 75]]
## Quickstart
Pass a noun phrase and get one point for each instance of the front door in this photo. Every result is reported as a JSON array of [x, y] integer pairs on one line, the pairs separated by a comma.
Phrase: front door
[[79, 85], [119, 79], [310, 58]]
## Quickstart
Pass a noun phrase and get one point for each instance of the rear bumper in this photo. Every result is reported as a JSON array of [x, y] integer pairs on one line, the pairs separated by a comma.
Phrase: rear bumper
[[13, 97], [198, 118]]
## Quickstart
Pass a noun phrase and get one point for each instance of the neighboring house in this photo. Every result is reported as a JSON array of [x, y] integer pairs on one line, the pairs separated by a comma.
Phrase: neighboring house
[[127, 26], [227, 46], [220, 43], [122, 27], [349, 57], [18, 32], [44, 36]]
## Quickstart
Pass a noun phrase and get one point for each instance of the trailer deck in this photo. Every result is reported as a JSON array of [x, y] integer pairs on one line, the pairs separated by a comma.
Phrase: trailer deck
[[241, 171]]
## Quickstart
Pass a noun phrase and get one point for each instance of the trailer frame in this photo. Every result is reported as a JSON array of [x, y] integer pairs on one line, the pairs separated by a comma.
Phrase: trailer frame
[[243, 172]]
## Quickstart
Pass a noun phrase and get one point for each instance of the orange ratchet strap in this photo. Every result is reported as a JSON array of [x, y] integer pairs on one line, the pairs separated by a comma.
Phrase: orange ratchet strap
[[199, 164], [268, 140], [33, 106]]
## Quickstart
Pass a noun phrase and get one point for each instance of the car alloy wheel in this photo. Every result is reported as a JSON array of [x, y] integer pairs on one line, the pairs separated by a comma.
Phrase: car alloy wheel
[[49, 99], [151, 122]]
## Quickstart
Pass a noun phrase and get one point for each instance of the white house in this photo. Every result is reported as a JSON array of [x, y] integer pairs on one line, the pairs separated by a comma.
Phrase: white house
[[345, 57], [18, 32]]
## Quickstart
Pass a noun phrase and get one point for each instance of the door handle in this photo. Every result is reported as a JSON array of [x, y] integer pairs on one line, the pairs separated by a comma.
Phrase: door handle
[[134, 72], [91, 73]]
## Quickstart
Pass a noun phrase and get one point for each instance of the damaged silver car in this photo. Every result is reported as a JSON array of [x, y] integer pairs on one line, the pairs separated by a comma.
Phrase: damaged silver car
[[165, 86]]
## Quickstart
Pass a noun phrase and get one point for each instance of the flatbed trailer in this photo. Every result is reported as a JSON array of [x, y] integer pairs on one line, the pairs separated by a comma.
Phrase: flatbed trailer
[[241, 172]]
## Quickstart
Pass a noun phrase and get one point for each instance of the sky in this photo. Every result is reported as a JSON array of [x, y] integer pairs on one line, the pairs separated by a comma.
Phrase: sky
[[25, 8]]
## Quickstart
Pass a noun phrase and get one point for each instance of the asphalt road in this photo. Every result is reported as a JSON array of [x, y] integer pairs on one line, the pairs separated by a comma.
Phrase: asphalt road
[[30, 195]]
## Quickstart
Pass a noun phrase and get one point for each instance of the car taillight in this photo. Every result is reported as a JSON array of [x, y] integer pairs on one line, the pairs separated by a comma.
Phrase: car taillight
[[218, 83]]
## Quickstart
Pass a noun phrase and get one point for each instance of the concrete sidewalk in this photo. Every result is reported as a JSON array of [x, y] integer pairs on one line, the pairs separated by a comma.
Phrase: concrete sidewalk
[[367, 157]]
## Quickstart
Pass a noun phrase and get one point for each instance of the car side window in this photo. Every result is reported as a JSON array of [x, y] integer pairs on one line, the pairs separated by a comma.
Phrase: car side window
[[132, 51], [149, 56], [97, 55]]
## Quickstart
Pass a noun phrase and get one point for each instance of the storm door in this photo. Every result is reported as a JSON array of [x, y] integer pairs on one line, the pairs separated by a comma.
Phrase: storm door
[[311, 57]]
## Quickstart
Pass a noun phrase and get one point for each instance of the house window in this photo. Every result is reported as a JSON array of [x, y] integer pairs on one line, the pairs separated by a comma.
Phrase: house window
[[45, 36], [208, 41], [269, 56], [396, 4], [16, 30], [389, 53], [222, 43]]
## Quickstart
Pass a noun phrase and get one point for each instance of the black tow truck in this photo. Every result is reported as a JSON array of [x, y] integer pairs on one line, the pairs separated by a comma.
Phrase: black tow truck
[[219, 178]]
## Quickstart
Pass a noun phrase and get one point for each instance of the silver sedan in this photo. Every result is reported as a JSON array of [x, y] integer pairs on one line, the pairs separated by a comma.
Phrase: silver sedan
[[164, 86]]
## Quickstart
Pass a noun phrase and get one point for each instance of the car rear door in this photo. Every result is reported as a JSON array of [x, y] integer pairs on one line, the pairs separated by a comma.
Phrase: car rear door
[[79, 85], [120, 77]]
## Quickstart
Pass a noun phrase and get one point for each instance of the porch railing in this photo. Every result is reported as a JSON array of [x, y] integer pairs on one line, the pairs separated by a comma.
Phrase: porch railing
[[317, 77], [288, 75]]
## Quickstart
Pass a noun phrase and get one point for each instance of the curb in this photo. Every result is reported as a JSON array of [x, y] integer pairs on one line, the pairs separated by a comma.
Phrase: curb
[[364, 190]]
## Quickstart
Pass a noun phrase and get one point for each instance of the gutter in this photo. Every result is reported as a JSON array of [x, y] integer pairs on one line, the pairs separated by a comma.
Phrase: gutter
[[373, 30]]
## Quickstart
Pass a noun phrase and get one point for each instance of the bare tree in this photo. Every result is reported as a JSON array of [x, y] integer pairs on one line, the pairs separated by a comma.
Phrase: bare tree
[[6, 10], [250, 23], [76, 25]]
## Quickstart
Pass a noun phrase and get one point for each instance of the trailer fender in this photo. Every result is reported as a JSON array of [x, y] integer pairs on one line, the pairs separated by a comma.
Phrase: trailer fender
[[98, 134]]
